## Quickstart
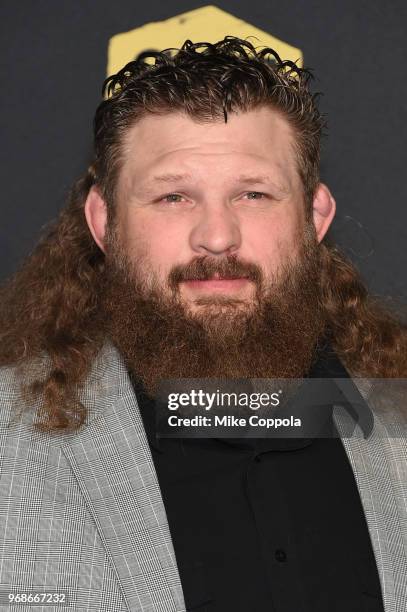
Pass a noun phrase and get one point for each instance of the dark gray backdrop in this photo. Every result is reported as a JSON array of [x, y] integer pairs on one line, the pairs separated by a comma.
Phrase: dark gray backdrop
[[54, 62]]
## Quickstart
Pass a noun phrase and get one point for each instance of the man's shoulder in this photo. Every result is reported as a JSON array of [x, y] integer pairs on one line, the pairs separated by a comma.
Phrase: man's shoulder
[[10, 392], [8, 380], [386, 398], [18, 415], [106, 381]]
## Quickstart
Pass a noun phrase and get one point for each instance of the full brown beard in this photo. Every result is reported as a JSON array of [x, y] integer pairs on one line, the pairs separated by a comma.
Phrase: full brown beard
[[274, 335]]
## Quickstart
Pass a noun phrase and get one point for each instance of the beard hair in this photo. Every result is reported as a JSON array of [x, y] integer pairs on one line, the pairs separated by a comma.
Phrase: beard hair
[[273, 335]]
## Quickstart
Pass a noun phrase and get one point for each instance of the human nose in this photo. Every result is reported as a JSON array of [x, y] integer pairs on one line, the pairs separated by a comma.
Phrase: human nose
[[217, 231]]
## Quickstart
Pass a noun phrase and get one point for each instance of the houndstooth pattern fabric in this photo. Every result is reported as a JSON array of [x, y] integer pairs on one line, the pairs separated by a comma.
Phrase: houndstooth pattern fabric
[[82, 513], [379, 464]]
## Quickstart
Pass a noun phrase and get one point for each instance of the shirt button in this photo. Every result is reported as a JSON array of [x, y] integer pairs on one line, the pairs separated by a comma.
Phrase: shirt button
[[280, 555]]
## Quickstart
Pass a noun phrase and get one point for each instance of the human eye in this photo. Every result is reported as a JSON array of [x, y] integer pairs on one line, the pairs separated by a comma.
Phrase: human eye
[[171, 198], [255, 195]]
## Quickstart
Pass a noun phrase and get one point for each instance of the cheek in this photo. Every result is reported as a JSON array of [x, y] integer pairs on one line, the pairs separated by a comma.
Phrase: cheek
[[156, 244], [274, 240]]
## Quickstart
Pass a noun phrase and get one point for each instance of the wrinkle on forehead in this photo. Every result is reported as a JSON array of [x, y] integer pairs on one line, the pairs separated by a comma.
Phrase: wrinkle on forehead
[[258, 142]]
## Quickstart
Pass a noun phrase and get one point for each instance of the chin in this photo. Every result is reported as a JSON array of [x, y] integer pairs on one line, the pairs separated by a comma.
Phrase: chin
[[219, 308]]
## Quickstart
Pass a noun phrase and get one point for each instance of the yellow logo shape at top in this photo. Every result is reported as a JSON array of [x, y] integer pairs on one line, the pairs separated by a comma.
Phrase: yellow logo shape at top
[[206, 24]]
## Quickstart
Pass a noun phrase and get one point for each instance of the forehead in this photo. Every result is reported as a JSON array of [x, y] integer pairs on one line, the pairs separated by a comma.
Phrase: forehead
[[260, 141]]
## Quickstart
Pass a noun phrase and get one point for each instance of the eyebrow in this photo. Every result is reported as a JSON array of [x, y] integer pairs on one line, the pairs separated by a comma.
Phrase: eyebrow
[[168, 178]]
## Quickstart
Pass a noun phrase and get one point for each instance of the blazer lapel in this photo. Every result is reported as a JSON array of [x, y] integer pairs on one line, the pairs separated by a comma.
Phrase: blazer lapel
[[115, 472]]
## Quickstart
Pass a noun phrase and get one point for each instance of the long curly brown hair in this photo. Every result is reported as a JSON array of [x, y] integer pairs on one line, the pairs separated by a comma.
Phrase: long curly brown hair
[[51, 306]]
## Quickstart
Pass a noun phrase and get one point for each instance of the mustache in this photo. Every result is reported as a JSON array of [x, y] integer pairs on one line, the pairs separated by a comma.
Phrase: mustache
[[204, 268]]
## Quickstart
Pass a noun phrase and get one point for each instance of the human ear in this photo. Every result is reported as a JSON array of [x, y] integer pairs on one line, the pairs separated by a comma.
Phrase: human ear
[[323, 210], [96, 216]]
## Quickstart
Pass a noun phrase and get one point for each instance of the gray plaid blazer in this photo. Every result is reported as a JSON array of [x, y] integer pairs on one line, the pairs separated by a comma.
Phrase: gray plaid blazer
[[83, 514]]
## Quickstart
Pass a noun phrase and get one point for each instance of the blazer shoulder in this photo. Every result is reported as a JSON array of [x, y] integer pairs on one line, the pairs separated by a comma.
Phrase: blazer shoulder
[[105, 384], [387, 398], [10, 393], [18, 408]]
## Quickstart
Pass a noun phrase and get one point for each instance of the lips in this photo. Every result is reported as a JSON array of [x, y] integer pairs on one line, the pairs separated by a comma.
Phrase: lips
[[218, 283]]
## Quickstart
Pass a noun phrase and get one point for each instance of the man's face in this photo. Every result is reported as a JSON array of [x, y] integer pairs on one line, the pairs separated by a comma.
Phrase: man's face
[[211, 270], [193, 194]]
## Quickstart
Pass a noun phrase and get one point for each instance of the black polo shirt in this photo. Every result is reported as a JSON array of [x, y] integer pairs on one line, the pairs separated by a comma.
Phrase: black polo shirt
[[266, 525]]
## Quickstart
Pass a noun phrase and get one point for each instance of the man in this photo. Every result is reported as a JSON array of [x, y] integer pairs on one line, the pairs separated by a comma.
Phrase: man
[[194, 248]]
